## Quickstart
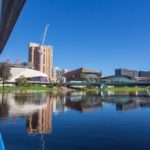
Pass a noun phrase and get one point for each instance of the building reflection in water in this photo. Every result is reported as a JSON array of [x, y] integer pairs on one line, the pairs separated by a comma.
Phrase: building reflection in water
[[134, 103], [3, 106], [38, 108], [40, 121], [59, 104], [83, 102], [128, 100]]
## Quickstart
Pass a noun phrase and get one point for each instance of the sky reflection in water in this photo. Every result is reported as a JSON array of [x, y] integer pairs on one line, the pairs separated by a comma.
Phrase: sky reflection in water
[[75, 121]]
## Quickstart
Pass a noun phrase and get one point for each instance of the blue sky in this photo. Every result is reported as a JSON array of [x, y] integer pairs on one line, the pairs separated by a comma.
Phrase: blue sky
[[96, 34]]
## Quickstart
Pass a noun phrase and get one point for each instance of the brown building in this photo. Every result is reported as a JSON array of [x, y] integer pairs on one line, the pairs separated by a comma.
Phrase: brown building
[[82, 74], [42, 61]]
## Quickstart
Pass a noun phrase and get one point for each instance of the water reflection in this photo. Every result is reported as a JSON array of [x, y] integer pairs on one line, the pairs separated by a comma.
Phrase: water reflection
[[122, 93], [38, 109], [83, 102], [40, 121], [127, 100]]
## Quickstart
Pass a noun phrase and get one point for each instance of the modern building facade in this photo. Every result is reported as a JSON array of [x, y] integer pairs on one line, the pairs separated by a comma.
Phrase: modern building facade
[[23, 65], [57, 73], [126, 72], [82, 74], [41, 61], [118, 79], [33, 76], [144, 73], [9, 13]]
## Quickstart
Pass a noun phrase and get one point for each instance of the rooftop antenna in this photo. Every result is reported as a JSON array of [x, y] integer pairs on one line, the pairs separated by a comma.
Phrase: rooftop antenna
[[43, 40]]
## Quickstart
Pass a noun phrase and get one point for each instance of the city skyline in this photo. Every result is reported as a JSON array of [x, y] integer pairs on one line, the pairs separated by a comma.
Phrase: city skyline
[[101, 35]]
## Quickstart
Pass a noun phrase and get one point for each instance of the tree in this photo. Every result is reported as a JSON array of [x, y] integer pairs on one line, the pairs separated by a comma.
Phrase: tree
[[4, 72], [22, 81]]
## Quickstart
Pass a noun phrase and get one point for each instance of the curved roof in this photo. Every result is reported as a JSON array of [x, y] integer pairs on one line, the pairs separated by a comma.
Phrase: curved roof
[[28, 73], [123, 76], [81, 70]]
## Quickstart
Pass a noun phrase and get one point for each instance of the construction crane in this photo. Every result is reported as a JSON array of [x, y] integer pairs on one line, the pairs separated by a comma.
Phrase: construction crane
[[43, 40]]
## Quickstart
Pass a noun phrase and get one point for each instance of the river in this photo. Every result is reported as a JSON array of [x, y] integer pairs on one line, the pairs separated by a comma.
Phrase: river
[[75, 121]]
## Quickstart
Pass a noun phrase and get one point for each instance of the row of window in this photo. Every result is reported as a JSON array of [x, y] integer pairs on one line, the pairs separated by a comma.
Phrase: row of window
[[40, 78]]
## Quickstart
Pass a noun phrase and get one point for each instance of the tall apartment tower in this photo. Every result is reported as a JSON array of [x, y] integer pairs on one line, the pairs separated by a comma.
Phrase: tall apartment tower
[[41, 61]]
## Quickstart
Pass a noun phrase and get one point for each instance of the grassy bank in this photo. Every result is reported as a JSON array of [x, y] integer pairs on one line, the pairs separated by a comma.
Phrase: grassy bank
[[25, 88], [126, 89], [33, 88]]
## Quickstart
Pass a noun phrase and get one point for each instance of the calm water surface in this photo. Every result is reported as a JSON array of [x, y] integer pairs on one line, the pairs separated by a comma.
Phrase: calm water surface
[[75, 121]]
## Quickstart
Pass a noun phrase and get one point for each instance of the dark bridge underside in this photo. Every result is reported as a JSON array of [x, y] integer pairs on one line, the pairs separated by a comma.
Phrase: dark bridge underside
[[10, 11]]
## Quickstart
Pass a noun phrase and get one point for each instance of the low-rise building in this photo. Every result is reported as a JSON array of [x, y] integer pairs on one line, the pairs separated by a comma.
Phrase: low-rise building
[[32, 76], [126, 72], [132, 73], [23, 65], [58, 73], [82, 74], [118, 79], [142, 79], [144, 74]]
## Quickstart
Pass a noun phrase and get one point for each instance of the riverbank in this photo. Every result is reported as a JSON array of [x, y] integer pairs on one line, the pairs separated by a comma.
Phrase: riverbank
[[34, 89], [61, 89], [126, 89]]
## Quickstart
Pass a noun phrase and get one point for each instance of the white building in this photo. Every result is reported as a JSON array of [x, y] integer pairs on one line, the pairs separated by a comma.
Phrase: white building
[[58, 73], [32, 76]]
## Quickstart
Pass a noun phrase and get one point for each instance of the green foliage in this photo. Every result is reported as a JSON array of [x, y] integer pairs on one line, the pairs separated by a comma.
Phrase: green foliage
[[126, 89], [27, 88], [22, 81]]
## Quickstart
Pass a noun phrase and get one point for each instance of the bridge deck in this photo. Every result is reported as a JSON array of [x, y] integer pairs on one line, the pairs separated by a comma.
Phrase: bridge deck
[[131, 84]]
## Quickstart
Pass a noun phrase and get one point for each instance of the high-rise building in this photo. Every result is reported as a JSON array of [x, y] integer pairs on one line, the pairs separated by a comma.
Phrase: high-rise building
[[42, 61]]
